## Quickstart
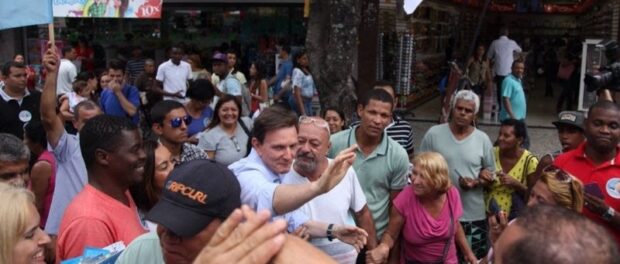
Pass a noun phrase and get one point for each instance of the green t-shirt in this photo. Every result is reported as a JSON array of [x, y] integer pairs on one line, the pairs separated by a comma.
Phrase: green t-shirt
[[143, 249], [384, 170], [465, 158]]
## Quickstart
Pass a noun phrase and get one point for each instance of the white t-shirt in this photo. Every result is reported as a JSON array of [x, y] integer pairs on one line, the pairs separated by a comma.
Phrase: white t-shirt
[[174, 77], [502, 52], [337, 207], [66, 76]]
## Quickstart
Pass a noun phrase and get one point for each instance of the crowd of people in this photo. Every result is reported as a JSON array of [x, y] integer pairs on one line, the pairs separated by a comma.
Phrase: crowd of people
[[184, 165]]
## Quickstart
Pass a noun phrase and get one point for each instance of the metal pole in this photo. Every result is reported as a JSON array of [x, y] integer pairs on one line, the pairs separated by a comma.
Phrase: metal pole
[[472, 47]]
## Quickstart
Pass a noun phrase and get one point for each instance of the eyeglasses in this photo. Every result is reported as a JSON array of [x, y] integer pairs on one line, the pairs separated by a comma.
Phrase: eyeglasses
[[316, 121], [560, 174], [236, 142], [176, 122]]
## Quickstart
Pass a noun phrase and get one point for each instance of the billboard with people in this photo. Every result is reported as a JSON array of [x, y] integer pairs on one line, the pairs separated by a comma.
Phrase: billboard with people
[[108, 8]]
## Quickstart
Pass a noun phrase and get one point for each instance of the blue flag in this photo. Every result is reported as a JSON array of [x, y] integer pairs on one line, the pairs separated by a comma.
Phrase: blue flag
[[22, 13]]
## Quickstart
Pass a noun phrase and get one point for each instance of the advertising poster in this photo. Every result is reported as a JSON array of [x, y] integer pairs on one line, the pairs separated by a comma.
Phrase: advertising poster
[[108, 8]]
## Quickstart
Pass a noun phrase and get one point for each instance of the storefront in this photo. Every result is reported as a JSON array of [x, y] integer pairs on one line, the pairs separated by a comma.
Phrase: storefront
[[413, 50], [249, 26]]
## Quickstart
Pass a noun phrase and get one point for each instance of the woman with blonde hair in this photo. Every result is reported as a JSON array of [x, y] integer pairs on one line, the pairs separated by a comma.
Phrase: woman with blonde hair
[[557, 187], [554, 187], [21, 238], [426, 215]]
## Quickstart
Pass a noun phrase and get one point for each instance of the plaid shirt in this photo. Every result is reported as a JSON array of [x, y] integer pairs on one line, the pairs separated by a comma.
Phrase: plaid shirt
[[190, 152]]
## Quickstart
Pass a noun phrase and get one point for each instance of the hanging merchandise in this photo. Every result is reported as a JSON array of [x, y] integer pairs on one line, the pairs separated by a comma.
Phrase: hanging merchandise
[[380, 57], [404, 61]]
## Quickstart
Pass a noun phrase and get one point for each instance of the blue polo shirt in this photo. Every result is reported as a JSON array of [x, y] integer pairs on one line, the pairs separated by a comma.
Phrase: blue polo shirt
[[111, 106], [512, 88]]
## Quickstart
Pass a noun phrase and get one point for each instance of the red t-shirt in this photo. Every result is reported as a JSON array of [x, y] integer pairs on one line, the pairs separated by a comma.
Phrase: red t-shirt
[[95, 219], [605, 175]]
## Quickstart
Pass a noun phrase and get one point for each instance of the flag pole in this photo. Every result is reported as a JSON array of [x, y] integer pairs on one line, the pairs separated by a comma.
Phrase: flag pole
[[50, 29]]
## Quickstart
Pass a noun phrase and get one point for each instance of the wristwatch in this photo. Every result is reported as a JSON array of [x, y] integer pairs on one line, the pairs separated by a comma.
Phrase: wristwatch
[[330, 232], [609, 214]]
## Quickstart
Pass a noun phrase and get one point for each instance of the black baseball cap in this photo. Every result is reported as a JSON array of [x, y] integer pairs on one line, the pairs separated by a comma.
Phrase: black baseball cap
[[195, 193], [570, 118]]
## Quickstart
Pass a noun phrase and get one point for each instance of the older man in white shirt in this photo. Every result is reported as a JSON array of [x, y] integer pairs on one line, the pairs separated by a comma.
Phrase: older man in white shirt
[[502, 53]]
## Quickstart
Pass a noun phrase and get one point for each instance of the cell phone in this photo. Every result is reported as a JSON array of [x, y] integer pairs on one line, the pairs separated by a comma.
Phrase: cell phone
[[494, 207], [594, 190]]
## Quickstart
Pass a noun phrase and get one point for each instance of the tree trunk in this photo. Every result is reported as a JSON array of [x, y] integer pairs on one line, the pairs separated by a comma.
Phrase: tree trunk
[[332, 46]]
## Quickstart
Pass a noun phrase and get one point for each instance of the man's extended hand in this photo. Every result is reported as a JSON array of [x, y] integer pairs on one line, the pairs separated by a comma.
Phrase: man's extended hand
[[351, 235], [336, 170], [254, 241]]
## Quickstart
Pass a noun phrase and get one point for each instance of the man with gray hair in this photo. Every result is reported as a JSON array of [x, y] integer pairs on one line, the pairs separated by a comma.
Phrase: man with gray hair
[[14, 157], [469, 153]]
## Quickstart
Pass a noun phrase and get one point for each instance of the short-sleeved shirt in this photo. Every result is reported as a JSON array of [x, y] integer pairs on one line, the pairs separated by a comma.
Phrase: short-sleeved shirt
[[228, 149], [95, 219], [502, 52], [286, 70], [424, 236], [384, 170], [605, 175], [305, 82], [67, 71], [336, 206], [110, 104], [513, 90], [71, 177], [503, 194], [15, 113], [144, 249], [199, 124], [466, 158], [174, 77], [258, 186], [400, 131]]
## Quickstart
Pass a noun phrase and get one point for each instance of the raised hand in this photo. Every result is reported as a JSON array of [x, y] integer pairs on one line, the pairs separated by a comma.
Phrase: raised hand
[[51, 61], [337, 169]]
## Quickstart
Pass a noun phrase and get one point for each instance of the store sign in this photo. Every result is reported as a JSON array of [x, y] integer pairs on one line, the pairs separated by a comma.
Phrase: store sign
[[108, 8]]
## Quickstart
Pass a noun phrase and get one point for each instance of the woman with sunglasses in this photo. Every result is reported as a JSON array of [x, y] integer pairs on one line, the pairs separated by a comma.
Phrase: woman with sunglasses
[[515, 166], [227, 135], [554, 187], [425, 217], [200, 94], [21, 239]]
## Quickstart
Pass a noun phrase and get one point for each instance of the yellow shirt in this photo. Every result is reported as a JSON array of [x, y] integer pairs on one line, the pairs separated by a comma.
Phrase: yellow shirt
[[503, 194]]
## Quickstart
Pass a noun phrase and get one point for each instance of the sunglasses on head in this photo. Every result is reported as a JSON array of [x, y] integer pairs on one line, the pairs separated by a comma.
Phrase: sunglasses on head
[[316, 121], [560, 174], [176, 122]]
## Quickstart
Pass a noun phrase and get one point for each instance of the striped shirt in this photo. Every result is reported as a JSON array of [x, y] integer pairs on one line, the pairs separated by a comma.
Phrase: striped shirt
[[133, 68], [400, 131]]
